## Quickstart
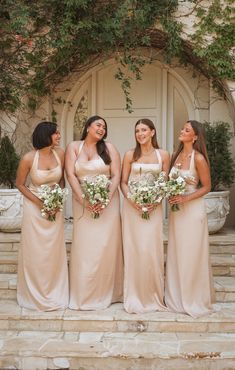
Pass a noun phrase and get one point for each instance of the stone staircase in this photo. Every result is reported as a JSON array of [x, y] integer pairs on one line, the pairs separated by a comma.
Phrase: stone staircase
[[112, 339]]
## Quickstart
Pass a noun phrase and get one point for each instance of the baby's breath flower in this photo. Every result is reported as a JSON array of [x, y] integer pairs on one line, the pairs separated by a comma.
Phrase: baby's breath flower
[[53, 198], [175, 186], [96, 190], [147, 190]]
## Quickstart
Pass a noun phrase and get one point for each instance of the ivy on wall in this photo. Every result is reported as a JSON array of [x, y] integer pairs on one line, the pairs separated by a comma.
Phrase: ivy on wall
[[42, 41]]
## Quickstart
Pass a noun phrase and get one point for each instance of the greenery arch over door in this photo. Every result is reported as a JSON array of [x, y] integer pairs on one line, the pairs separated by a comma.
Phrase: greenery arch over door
[[51, 39]]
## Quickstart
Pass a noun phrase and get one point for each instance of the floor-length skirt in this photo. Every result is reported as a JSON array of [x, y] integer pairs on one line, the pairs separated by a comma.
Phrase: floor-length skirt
[[96, 261], [143, 260], [189, 284], [42, 262]]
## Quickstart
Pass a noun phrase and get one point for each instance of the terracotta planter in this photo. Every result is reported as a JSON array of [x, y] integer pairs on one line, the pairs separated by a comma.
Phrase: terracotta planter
[[217, 208], [11, 202]]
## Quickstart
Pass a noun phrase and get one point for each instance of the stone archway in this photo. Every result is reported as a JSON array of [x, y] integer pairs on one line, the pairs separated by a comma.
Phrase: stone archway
[[162, 95]]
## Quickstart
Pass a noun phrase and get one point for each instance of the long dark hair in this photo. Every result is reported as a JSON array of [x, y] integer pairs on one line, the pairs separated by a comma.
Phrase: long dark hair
[[199, 144], [42, 133], [101, 146], [137, 150]]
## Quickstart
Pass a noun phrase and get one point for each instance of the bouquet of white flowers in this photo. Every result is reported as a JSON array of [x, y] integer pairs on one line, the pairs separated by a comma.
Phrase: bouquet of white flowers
[[96, 190], [176, 185], [147, 190], [53, 198]]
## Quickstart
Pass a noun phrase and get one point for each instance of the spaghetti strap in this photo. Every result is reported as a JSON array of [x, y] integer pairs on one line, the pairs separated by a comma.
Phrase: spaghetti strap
[[191, 166], [56, 156], [80, 145], [159, 156]]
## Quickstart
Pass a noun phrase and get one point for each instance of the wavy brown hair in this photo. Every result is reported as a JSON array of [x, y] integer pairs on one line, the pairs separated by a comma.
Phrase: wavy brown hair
[[137, 150], [101, 146], [199, 144]]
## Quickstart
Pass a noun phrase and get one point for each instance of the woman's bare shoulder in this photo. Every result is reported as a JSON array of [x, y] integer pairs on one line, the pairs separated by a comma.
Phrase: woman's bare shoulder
[[74, 144], [199, 157], [29, 156], [129, 155], [164, 153]]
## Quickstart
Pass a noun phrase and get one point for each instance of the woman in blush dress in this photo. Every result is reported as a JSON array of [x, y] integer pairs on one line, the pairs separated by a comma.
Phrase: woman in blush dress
[[143, 239], [189, 286], [42, 262], [96, 263]]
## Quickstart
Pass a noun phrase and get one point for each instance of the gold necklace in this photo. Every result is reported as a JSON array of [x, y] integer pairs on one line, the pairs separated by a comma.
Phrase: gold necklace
[[183, 156], [182, 159]]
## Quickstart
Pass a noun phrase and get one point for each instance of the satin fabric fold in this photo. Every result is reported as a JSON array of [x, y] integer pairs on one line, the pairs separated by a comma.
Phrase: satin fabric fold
[[143, 251], [189, 281], [96, 262], [42, 261]]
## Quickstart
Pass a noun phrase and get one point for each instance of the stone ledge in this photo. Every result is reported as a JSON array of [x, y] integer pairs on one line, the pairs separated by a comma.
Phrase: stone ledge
[[115, 319], [37, 350]]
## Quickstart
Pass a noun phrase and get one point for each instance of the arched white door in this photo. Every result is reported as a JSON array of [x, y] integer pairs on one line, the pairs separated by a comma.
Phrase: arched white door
[[161, 95]]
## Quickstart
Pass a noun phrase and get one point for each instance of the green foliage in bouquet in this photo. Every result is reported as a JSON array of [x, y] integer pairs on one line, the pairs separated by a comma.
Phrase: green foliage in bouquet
[[222, 164], [9, 161]]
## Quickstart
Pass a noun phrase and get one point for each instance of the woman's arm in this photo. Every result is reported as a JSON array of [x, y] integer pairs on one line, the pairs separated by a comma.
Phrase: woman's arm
[[60, 153], [115, 169], [22, 173], [126, 170], [70, 159], [205, 180], [165, 161]]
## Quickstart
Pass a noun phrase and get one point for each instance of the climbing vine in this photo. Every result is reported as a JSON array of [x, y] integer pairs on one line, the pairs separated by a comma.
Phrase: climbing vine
[[43, 41]]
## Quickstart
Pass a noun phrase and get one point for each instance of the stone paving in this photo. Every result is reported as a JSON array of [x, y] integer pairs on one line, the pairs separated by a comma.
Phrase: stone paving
[[103, 339], [111, 339]]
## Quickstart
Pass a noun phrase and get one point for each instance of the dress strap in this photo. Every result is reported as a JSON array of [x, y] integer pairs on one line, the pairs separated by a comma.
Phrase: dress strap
[[159, 156], [191, 166], [56, 156], [80, 145], [35, 160]]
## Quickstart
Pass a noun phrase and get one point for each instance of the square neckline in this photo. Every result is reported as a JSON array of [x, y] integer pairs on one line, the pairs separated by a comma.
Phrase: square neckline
[[159, 158]]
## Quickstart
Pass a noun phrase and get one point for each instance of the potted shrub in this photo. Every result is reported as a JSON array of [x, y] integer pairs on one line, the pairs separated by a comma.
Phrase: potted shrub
[[10, 197], [222, 168]]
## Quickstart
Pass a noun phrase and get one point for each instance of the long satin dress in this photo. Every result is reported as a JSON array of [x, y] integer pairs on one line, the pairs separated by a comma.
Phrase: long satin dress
[[189, 287], [42, 262], [143, 251], [96, 261]]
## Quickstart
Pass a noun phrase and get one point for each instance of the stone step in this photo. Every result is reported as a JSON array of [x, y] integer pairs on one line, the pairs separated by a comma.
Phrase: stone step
[[116, 351], [112, 339], [215, 248], [222, 264], [220, 243], [115, 319], [224, 287]]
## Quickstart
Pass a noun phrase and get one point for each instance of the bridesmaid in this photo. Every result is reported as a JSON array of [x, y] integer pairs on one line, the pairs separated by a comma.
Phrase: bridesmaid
[[188, 275], [42, 263], [142, 239], [96, 255]]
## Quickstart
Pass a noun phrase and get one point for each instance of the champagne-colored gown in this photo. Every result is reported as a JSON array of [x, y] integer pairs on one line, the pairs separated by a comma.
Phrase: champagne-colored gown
[[189, 287], [96, 261], [143, 251], [42, 262]]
